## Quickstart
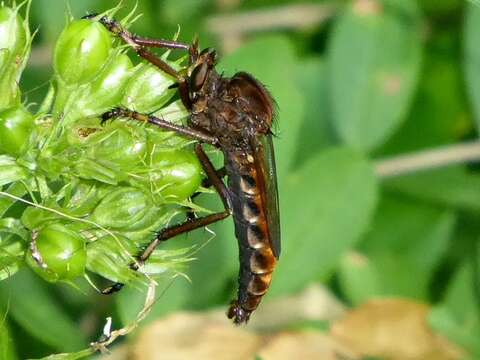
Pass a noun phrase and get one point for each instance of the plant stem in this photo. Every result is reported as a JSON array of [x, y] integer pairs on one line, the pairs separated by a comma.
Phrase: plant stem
[[428, 159]]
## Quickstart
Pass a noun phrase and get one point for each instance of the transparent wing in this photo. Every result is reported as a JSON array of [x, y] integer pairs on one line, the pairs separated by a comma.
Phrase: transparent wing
[[265, 164]]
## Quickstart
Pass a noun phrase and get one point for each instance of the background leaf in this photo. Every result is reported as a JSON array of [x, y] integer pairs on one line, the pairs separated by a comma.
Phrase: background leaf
[[315, 234], [454, 187], [406, 238], [374, 58], [7, 350], [43, 318], [458, 317]]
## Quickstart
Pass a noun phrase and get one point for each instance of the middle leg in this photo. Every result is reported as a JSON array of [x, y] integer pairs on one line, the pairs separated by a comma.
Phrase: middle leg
[[214, 178]]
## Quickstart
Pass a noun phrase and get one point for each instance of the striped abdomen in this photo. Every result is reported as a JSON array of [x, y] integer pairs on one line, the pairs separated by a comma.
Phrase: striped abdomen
[[257, 259]]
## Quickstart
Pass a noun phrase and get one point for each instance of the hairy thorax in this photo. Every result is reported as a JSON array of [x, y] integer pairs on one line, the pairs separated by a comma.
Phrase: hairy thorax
[[226, 113]]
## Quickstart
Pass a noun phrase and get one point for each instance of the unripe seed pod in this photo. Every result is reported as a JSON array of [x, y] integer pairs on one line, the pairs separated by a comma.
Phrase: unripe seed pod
[[58, 253], [16, 125], [119, 147], [147, 89], [13, 35], [108, 89], [81, 51], [14, 38], [177, 173], [126, 208]]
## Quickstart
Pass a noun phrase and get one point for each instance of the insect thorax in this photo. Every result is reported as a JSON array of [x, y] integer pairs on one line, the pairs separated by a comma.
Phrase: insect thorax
[[221, 109]]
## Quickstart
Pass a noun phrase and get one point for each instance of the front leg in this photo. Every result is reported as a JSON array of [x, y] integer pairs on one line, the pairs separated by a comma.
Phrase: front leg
[[145, 118], [140, 44]]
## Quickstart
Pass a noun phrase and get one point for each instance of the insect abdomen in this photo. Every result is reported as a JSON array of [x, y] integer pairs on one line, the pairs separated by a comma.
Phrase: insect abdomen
[[257, 260]]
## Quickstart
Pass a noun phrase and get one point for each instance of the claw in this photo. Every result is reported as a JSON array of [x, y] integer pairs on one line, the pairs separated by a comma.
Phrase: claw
[[90, 16], [110, 115], [112, 289], [238, 314], [110, 24]]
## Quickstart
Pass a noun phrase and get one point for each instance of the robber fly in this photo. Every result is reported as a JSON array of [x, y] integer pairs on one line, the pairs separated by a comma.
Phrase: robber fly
[[234, 115]]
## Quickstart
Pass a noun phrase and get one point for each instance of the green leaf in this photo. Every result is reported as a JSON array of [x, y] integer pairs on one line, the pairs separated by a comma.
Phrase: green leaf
[[316, 132], [325, 207], [453, 187], [405, 235], [472, 58], [374, 58], [13, 238], [16, 189], [7, 349], [458, 317], [442, 116], [359, 279], [29, 303], [9, 171]]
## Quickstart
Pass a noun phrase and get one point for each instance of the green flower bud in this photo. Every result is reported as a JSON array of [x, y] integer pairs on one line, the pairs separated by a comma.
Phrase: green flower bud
[[108, 89], [119, 146], [14, 38], [13, 35], [176, 173], [148, 89], [111, 256], [16, 125], [81, 51], [60, 254], [126, 209]]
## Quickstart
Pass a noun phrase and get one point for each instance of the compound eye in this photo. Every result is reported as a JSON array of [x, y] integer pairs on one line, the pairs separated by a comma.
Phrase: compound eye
[[210, 56], [198, 77]]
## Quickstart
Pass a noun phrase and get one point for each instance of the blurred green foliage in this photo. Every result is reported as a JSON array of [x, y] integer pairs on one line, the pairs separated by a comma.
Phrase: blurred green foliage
[[378, 78]]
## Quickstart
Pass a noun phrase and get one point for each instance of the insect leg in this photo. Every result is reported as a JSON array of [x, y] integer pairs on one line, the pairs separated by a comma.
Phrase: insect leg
[[206, 183], [140, 46], [166, 234], [180, 130], [190, 225], [214, 178]]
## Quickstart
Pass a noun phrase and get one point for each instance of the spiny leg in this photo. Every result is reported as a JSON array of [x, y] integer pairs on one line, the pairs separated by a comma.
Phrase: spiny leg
[[145, 118], [206, 183], [140, 45], [190, 225], [170, 232]]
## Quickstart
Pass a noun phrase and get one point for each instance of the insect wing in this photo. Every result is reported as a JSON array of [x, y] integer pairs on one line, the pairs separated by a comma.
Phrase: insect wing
[[265, 164]]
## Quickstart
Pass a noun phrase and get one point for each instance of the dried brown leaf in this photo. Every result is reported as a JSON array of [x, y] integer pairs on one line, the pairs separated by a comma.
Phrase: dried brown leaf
[[307, 345], [393, 329], [187, 336]]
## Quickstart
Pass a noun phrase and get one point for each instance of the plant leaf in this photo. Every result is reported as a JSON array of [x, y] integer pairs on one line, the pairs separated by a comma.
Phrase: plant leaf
[[374, 58], [405, 235], [42, 317], [458, 317], [453, 187], [318, 230], [7, 350]]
